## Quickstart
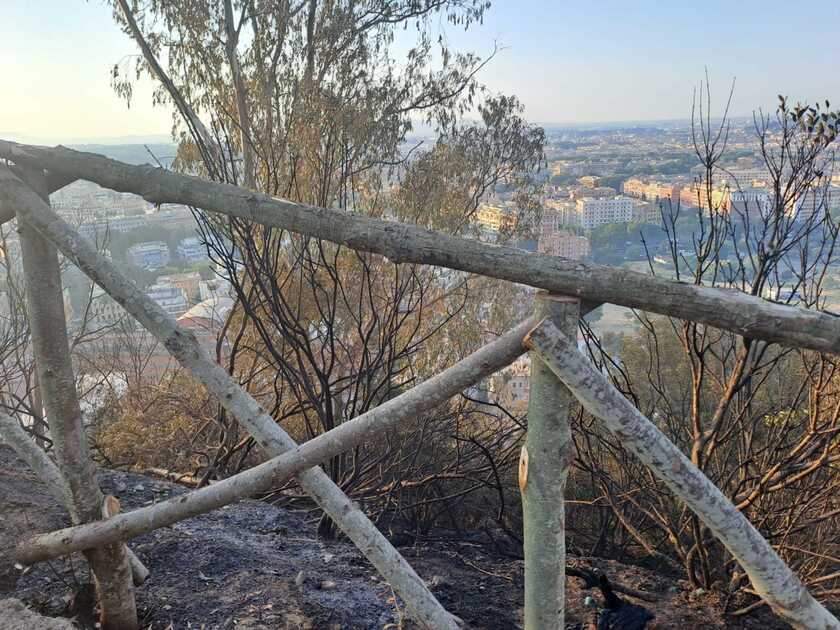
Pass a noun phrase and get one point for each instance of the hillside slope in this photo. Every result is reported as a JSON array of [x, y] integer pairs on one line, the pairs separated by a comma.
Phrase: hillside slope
[[256, 566]]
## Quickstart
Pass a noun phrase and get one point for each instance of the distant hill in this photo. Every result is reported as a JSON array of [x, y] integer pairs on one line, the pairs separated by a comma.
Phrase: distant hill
[[133, 153]]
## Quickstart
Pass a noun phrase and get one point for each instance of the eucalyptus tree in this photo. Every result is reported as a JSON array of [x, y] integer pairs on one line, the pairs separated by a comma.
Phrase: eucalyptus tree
[[326, 103]]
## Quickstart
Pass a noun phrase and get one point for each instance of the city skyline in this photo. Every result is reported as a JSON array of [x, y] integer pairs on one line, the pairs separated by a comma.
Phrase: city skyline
[[584, 64]]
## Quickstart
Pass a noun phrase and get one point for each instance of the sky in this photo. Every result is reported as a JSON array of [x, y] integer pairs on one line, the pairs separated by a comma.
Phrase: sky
[[568, 62]]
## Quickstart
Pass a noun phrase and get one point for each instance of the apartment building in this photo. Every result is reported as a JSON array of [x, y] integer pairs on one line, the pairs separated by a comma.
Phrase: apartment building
[[169, 297], [558, 214], [651, 190], [149, 255], [566, 244], [593, 213], [191, 249], [495, 218]]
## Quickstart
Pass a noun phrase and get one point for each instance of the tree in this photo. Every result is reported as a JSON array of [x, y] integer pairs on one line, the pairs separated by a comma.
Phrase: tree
[[757, 419], [308, 101]]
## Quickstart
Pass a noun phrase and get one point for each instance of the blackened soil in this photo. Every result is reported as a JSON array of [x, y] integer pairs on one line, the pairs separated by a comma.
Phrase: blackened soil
[[253, 565]]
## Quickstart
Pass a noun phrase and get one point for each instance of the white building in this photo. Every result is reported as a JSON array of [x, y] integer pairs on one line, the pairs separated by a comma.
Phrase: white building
[[751, 201], [564, 243], [215, 288], [169, 297], [192, 249], [818, 200], [149, 255], [593, 213]]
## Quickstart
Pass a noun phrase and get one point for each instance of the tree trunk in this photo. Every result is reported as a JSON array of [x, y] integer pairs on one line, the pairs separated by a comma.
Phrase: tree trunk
[[57, 384], [543, 468], [47, 471]]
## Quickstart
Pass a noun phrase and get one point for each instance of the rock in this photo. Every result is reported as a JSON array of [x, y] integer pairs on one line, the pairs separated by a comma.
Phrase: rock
[[436, 581], [14, 615], [327, 585], [299, 579]]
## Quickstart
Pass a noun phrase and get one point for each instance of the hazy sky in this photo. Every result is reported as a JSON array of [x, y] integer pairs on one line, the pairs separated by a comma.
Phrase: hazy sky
[[568, 61]]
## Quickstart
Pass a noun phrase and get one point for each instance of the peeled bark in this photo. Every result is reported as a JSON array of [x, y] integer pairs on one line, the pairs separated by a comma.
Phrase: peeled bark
[[182, 344], [771, 577], [392, 413], [727, 309], [544, 467], [109, 564]]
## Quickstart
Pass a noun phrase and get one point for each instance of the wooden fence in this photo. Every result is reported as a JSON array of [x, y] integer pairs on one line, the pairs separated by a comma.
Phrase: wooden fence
[[559, 375]]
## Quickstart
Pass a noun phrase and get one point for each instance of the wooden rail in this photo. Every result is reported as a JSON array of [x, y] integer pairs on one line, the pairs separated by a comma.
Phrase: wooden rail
[[557, 365], [727, 309]]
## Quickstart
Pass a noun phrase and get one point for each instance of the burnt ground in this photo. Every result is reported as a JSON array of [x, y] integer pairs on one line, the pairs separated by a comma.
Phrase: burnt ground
[[253, 565]]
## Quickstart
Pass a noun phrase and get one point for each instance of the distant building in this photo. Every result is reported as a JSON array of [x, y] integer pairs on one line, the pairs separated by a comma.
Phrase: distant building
[[217, 287], [206, 319], [589, 180], [511, 386], [149, 255], [495, 218], [566, 244], [741, 201], [192, 249], [93, 227], [558, 214], [647, 212], [750, 201], [696, 195], [593, 213], [743, 177], [170, 298], [651, 190], [189, 283], [818, 200], [598, 192]]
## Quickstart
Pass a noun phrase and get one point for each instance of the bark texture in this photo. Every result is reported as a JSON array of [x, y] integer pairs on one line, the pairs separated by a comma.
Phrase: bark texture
[[400, 410], [547, 455], [47, 472], [723, 308], [45, 307], [772, 578], [34, 456], [182, 344]]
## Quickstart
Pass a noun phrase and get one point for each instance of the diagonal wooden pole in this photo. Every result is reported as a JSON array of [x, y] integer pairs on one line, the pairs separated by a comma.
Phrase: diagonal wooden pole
[[403, 409], [182, 344], [543, 468], [57, 382], [47, 471], [772, 578]]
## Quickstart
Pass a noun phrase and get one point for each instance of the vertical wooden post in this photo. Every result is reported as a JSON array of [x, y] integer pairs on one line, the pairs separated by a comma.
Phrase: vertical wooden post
[[57, 382], [543, 467]]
